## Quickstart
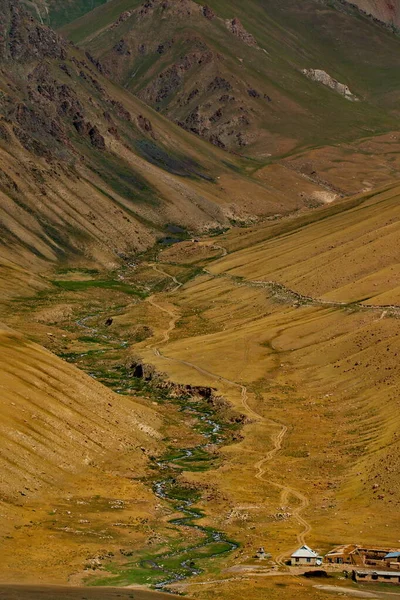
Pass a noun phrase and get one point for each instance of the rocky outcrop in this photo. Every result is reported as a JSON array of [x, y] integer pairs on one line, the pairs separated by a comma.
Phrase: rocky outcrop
[[208, 13], [235, 26], [323, 77], [149, 374], [171, 79], [24, 39], [145, 125]]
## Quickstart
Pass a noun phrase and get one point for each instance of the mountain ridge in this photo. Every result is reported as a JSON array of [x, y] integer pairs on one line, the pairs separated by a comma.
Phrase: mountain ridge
[[236, 77]]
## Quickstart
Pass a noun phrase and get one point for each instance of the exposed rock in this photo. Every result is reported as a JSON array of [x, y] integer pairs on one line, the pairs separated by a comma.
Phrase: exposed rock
[[162, 48], [145, 125], [122, 18], [143, 371], [216, 141], [208, 13], [324, 78], [226, 98], [216, 116], [192, 95], [23, 39], [30, 143], [384, 12], [253, 93], [236, 27], [169, 80], [96, 63], [96, 139], [219, 83], [122, 48], [120, 110]]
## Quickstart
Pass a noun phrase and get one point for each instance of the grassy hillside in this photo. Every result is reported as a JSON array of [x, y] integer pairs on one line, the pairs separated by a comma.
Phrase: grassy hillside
[[261, 104], [110, 174], [56, 14], [347, 254]]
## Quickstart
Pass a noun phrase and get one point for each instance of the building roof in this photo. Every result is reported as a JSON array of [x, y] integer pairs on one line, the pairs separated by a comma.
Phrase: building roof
[[392, 555], [344, 549], [305, 552], [380, 573]]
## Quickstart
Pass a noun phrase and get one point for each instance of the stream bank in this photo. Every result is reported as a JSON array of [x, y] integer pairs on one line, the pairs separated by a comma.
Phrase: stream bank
[[215, 424]]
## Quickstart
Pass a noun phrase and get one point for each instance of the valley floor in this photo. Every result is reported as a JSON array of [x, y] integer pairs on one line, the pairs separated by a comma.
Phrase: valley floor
[[296, 326]]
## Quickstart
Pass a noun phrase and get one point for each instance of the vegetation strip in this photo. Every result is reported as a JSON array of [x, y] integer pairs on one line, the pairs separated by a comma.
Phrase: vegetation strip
[[161, 569]]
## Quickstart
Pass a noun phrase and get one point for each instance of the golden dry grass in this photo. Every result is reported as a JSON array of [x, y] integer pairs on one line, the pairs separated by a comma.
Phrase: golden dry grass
[[328, 374], [69, 458], [348, 256], [318, 384]]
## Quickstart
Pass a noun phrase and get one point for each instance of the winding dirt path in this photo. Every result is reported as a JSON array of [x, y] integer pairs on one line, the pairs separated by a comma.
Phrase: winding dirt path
[[172, 313], [285, 294], [177, 283], [278, 439]]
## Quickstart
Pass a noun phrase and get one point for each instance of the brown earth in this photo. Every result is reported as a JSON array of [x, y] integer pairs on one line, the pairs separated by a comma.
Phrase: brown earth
[[386, 11], [67, 593]]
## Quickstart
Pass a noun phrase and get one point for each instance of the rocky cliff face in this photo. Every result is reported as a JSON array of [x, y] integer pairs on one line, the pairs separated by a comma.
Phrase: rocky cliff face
[[23, 38]]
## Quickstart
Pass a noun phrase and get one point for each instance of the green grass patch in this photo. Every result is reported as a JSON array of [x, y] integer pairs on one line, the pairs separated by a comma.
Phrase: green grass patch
[[109, 284]]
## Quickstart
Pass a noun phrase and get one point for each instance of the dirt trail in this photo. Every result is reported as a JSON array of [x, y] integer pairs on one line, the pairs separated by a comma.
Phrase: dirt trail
[[172, 313], [177, 283], [285, 294], [259, 466]]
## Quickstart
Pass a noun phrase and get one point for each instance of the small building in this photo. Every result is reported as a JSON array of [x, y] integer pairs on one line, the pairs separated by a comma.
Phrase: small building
[[262, 555], [305, 556], [392, 560], [352, 554], [348, 554], [374, 576]]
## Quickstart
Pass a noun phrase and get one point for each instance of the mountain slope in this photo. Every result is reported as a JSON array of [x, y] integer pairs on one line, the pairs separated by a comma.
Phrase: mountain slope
[[88, 171], [71, 451], [234, 74], [55, 13], [56, 421], [387, 11]]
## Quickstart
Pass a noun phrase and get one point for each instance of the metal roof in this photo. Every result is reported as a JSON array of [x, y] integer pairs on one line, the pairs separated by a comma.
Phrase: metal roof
[[392, 555], [380, 573], [305, 552]]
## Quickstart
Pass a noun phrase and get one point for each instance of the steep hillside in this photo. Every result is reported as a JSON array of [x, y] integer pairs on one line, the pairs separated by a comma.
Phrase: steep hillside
[[386, 11], [109, 173], [347, 254], [251, 78], [70, 452], [56, 13], [56, 421]]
